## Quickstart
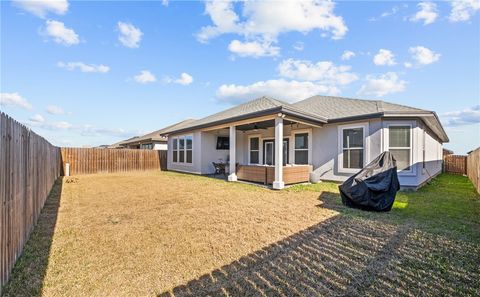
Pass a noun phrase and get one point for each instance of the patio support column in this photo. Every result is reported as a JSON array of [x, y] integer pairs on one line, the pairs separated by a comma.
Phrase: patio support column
[[278, 182], [232, 175]]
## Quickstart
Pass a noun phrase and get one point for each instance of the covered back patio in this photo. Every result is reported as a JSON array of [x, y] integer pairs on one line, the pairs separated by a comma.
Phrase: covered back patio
[[273, 150]]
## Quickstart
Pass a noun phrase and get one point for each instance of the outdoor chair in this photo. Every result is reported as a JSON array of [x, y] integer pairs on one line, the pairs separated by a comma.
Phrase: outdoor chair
[[219, 169]]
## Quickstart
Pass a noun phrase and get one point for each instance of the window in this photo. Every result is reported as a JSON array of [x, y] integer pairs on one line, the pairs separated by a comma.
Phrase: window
[[146, 146], [189, 148], [400, 145], [301, 148], [353, 147], [223, 143], [254, 150], [175, 150], [183, 149]]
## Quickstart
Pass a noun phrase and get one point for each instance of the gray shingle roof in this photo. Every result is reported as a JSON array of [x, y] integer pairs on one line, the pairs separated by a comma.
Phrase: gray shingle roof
[[334, 108], [263, 105], [323, 109], [156, 135]]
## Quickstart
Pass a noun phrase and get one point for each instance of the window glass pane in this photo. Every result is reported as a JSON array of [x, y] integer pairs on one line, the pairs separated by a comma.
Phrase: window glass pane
[[175, 156], [301, 141], [254, 157], [254, 143], [189, 142], [189, 156], [301, 157], [399, 136], [181, 143], [175, 143], [353, 137], [181, 157], [353, 158], [402, 156]]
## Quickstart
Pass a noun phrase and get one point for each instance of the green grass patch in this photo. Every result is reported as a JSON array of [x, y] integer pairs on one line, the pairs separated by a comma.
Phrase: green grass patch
[[448, 203]]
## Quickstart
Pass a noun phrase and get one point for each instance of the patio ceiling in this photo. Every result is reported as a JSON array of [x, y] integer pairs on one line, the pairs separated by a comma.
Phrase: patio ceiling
[[261, 125]]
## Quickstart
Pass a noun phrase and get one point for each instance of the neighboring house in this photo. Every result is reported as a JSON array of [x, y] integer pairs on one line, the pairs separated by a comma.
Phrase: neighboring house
[[447, 152], [319, 138], [150, 141]]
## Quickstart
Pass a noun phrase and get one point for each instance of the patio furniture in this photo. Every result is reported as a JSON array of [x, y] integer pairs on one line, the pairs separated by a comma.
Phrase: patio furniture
[[219, 169]]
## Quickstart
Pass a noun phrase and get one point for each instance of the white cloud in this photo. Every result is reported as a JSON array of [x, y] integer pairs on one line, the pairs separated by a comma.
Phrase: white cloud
[[427, 13], [37, 118], [60, 33], [324, 72], [84, 130], [388, 13], [130, 36], [262, 22], [347, 55], [90, 130], [165, 2], [384, 57], [382, 85], [54, 125], [261, 18], [254, 49], [84, 67], [14, 99], [185, 79], [299, 46], [287, 90], [408, 65], [463, 10], [145, 77], [53, 109], [467, 116], [423, 55], [41, 8]]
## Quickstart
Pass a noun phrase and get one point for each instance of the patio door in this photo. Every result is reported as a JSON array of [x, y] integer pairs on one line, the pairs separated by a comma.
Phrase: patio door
[[269, 152]]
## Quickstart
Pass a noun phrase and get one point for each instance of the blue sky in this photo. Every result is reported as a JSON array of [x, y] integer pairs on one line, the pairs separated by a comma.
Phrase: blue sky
[[85, 73]]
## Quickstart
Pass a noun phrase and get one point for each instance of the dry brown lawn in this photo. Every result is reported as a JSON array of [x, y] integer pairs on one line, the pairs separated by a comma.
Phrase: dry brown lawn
[[165, 233], [143, 233]]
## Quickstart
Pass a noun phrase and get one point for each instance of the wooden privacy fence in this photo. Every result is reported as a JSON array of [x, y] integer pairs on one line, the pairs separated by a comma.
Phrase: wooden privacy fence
[[456, 164], [29, 166], [93, 160], [473, 168]]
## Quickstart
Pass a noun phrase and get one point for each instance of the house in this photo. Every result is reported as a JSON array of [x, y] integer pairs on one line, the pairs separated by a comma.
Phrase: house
[[447, 152], [150, 141], [319, 138]]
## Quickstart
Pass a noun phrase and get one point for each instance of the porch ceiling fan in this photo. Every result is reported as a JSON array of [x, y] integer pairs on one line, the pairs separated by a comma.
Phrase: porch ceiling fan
[[255, 127]]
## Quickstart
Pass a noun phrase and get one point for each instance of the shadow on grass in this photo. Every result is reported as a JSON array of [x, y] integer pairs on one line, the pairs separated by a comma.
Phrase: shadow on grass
[[29, 271], [355, 253], [344, 256]]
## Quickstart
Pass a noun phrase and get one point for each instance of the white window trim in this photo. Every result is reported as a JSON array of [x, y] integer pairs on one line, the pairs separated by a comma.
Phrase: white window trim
[[310, 143], [262, 139], [412, 170], [260, 150], [366, 146], [184, 149]]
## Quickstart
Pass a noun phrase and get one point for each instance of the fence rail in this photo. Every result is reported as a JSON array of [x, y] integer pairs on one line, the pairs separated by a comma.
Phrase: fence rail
[[456, 164], [93, 160], [473, 168], [29, 166]]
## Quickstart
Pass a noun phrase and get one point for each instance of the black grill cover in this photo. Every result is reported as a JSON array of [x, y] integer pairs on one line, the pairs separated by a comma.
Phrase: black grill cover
[[374, 187]]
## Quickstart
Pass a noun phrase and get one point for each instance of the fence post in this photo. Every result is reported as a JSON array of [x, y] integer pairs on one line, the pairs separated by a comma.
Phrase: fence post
[[67, 169]]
